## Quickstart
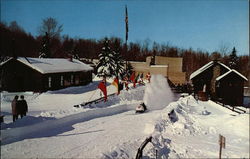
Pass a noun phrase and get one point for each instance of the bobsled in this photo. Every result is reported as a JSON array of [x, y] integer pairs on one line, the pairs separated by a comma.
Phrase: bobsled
[[141, 108]]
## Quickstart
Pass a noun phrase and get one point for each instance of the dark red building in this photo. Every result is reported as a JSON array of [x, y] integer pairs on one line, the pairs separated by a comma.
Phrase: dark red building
[[42, 74], [230, 87], [219, 82]]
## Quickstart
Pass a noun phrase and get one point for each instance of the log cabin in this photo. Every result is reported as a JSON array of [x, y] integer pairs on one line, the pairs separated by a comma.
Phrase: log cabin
[[42, 74], [220, 83]]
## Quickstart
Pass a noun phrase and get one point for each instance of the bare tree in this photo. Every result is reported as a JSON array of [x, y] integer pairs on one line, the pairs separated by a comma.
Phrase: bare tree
[[215, 56], [15, 27], [51, 26], [224, 48]]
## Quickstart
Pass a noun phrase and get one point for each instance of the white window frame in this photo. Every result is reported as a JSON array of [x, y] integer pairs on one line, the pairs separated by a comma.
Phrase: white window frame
[[49, 80], [62, 80], [72, 79]]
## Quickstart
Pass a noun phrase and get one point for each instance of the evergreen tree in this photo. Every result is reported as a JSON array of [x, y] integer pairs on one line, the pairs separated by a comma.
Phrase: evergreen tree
[[106, 64], [45, 49], [233, 59], [119, 62], [75, 53], [129, 69]]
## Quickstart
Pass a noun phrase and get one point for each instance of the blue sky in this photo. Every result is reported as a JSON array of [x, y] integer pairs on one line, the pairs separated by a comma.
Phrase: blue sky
[[197, 24]]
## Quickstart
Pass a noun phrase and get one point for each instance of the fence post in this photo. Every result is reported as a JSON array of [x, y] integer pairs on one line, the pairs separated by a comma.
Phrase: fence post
[[156, 151], [222, 142]]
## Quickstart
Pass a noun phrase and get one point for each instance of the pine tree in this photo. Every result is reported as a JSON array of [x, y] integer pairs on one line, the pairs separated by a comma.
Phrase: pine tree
[[118, 59], [75, 53], [233, 59], [45, 49], [119, 64], [106, 64], [129, 69]]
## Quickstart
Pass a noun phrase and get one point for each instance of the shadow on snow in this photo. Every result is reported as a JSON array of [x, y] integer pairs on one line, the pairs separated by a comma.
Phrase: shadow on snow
[[25, 121], [49, 128]]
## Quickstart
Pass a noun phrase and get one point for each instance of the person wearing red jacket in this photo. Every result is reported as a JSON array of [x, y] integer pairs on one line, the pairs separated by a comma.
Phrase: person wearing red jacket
[[148, 76]]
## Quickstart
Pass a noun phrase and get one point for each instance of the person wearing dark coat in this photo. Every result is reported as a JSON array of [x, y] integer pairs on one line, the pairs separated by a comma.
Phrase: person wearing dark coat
[[14, 108], [144, 106], [23, 106]]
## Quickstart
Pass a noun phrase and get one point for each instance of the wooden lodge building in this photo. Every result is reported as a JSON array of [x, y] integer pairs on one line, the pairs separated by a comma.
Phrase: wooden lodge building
[[220, 83], [42, 74], [169, 67]]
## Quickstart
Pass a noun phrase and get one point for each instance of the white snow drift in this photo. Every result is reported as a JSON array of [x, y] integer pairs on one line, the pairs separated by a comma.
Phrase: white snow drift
[[56, 129]]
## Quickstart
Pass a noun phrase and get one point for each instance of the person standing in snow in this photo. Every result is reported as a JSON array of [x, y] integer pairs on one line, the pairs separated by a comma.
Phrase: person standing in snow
[[148, 76], [126, 82], [23, 106], [14, 108]]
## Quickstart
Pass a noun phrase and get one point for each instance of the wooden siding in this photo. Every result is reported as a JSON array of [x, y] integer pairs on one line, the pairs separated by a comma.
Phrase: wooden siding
[[16, 77], [205, 78], [230, 89]]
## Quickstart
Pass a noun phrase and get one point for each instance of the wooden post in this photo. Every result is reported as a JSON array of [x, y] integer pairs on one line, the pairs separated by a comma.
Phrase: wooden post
[[156, 151], [220, 151], [222, 142]]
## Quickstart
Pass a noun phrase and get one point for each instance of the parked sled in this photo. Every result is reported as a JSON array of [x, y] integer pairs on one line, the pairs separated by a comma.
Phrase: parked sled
[[141, 108]]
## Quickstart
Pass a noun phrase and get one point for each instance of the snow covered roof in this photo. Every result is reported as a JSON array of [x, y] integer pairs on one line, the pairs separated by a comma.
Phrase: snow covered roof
[[54, 65], [231, 71], [2, 63], [205, 67]]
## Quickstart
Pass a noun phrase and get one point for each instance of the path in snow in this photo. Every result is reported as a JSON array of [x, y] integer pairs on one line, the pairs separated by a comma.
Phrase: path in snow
[[58, 126], [57, 129], [84, 139], [113, 130]]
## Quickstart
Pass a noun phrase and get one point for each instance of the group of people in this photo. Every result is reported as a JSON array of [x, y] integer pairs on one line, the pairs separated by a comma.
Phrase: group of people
[[138, 79], [19, 107]]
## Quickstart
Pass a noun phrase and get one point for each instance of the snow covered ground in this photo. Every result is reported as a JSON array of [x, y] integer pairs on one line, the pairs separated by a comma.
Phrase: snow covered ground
[[56, 129]]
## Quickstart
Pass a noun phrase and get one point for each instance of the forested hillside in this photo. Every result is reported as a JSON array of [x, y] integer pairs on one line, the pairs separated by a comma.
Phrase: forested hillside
[[16, 42]]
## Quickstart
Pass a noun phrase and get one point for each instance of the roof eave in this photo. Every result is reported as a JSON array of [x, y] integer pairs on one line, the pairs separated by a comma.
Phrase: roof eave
[[231, 71]]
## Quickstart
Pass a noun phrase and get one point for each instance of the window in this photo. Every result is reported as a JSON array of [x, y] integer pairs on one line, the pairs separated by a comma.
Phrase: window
[[72, 79], [77, 79], [61, 80], [49, 80]]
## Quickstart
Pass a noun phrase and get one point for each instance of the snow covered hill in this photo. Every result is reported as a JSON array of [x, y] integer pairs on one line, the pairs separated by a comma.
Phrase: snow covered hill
[[56, 129]]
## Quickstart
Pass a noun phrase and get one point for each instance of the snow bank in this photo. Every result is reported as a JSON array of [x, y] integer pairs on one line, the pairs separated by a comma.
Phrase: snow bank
[[196, 130], [113, 130], [17, 134], [157, 93]]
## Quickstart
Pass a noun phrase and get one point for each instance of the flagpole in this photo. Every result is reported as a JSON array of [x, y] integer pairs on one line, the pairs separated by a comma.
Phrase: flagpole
[[126, 37], [126, 56]]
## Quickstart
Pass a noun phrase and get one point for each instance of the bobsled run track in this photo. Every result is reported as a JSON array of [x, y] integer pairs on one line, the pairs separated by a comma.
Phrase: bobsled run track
[[61, 124], [181, 127]]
